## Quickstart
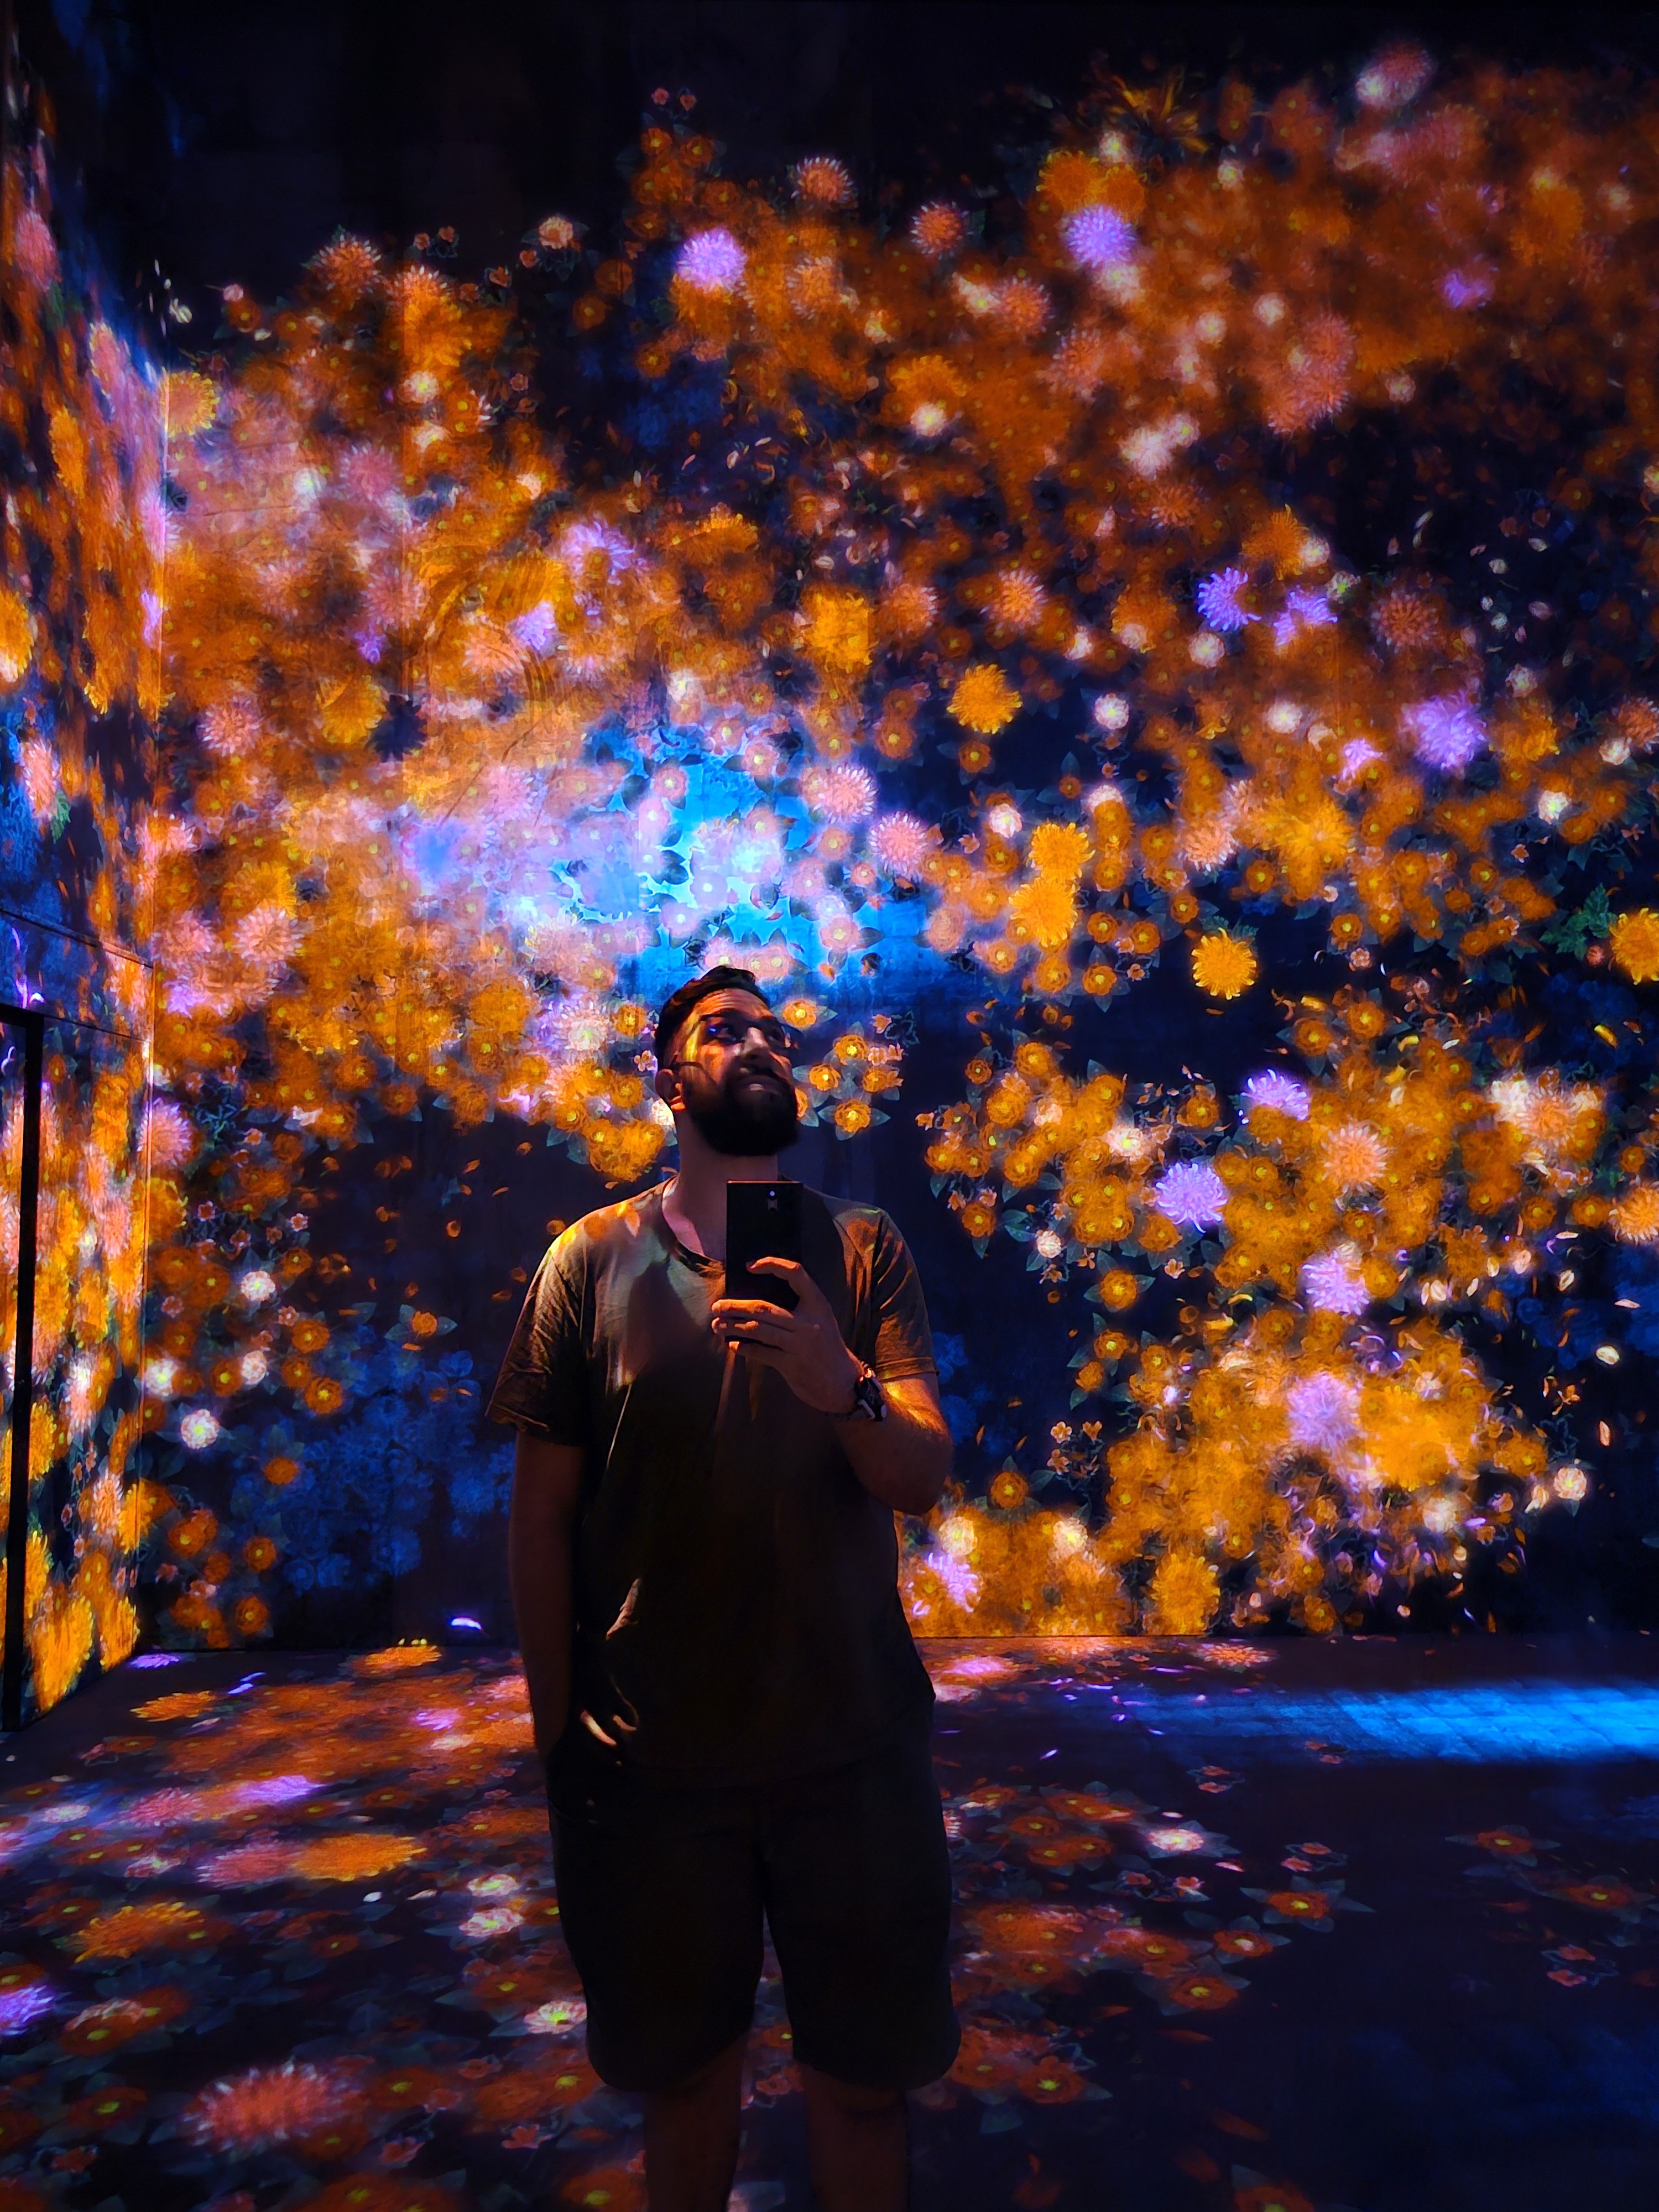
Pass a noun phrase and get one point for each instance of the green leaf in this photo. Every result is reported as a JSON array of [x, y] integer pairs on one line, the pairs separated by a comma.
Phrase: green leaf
[[1571, 933]]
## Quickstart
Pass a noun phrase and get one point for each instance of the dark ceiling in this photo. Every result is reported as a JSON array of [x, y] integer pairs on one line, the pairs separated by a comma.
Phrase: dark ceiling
[[226, 139]]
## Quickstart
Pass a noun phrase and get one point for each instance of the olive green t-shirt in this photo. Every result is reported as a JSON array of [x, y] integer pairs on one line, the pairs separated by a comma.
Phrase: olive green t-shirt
[[765, 1636]]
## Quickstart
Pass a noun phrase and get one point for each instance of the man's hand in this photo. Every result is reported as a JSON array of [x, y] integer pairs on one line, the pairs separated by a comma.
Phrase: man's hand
[[805, 1346]]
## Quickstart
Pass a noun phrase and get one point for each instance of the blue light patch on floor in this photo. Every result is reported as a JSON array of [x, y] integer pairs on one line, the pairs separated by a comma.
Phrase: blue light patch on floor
[[1562, 1721]]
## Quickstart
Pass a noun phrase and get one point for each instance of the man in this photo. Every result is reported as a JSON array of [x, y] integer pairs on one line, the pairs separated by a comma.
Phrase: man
[[733, 1716]]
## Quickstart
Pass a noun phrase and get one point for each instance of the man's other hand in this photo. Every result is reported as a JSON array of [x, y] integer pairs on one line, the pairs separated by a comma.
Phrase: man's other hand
[[805, 1346]]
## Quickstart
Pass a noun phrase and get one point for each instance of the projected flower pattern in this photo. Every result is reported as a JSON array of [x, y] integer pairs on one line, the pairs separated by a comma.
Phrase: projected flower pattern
[[929, 608], [300, 1935], [81, 543]]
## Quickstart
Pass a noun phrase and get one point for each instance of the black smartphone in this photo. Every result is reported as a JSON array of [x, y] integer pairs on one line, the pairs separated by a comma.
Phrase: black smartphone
[[762, 1222]]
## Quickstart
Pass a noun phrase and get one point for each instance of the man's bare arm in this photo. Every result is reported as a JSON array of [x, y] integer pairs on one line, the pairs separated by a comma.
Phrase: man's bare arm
[[546, 1486], [904, 1461]]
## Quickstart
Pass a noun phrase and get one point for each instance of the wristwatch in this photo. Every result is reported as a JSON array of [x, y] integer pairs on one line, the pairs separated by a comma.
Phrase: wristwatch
[[869, 1399]]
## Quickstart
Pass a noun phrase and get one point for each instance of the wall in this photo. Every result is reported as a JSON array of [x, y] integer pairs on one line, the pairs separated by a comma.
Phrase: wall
[[80, 606], [1156, 676]]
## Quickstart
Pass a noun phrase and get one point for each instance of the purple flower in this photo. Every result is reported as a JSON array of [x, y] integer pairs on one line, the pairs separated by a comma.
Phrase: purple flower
[[1359, 753], [1333, 1284], [1303, 609], [710, 261], [1218, 599], [1446, 733], [536, 631], [1279, 1093], [22, 2007], [1466, 288], [1190, 1193], [1098, 238], [1323, 1411]]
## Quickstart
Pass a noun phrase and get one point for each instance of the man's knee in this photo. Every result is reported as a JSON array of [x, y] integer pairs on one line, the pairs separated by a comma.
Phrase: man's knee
[[848, 2096], [714, 2074]]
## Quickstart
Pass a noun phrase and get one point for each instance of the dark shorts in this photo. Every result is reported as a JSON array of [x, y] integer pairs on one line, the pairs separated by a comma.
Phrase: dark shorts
[[661, 1894]]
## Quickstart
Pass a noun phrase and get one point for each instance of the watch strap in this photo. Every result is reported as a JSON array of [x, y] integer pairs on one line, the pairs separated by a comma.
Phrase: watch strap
[[868, 1402]]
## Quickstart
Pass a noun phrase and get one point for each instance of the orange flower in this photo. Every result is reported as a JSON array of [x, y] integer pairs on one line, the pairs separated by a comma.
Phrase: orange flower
[[1505, 1843], [417, 2089], [605, 2189], [1084, 1805], [103, 2109], [983, 700], [1603, 1896], [163, 1925], [1051, 2081], [531, 2091], [376, 2192], [1634, 942], [1069, 1851], [982, 2062], [1223, 965], [1242, 1943], [356, 1858], [1270, 2196], [1301, 1904], [106, 2026], [1199, 1992], [1145, 1949]]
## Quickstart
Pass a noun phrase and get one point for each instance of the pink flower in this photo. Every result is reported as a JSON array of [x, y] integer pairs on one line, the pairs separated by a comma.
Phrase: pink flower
[[35, 250], [268, 2107]]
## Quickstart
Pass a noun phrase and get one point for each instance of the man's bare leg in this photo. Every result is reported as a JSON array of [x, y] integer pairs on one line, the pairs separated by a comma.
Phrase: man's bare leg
[[858, 2143], [691, 2137]]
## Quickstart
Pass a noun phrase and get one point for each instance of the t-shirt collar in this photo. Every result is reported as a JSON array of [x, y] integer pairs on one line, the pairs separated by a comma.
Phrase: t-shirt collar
[[698, 1260]]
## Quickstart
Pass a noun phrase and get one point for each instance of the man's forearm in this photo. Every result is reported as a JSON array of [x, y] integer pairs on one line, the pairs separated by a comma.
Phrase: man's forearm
[[539, 1572], [902, 1460]]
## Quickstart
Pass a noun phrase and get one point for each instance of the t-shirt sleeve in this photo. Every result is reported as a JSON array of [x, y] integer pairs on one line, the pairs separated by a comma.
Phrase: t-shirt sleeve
[[905, 1340], [542, 1385]]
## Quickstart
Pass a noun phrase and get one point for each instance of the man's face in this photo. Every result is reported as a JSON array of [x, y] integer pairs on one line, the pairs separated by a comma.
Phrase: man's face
[[736, 1088]]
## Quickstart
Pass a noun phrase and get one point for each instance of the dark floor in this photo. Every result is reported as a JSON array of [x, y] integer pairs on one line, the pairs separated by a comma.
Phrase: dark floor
[[1287, 1924]]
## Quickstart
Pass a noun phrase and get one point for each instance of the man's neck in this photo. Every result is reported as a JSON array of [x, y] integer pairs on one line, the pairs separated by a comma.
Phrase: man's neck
[[694, 1203]]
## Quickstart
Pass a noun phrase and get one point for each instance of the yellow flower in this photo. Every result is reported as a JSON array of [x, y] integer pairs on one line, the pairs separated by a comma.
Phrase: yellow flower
[[1185, 1592], [1635, 1217], [1223, 965], [1060, 848], [837, 630], [1635, 942], [1048, 909], [983, 700]]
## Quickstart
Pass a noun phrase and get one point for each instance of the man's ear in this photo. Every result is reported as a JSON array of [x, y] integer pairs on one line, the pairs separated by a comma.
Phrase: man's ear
[[666, 1083]]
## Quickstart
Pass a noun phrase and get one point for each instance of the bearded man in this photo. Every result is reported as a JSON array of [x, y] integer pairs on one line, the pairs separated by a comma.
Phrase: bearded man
[[734, 1720]]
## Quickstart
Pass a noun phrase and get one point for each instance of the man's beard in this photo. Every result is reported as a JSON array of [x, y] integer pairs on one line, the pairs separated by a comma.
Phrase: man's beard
[[747, 1124]]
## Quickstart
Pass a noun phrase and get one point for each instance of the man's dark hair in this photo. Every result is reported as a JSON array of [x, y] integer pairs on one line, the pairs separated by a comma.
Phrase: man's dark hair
[[676, 1009]]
